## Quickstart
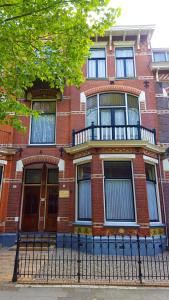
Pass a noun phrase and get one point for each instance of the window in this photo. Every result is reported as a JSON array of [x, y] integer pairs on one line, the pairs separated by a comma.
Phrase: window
[[160, 56], [112, 109], [124, 62], [152, 192], [119, 202], [33, 176], [97, 63], [84, 192], [1, 173], [43, 127]]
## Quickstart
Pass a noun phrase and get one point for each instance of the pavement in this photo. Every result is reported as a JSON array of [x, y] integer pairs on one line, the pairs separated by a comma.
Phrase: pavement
[[7, 257], [18, 292]]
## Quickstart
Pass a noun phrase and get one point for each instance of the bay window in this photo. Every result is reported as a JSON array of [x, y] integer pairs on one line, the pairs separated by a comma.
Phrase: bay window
[[152, 192], [43, 127], [84, 207], [119, 201], [124, 62], [97, 63]]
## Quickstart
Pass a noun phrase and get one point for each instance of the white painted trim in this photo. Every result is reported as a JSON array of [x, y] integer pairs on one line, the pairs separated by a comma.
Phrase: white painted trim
[[82, 97], [150, 159], [117, 156], [82, 159], [61, 165], [124, 43], [3, 162], [19, 166], [123, 224]]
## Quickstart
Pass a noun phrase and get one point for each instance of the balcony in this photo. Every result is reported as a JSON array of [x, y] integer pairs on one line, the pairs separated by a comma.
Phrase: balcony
[[113, 133]]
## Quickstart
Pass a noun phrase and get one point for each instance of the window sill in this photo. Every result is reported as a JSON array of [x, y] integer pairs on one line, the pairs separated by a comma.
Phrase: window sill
[[121, 224], [156, 224], [41, 145], [83, 223], [125, 78], [95, 78]]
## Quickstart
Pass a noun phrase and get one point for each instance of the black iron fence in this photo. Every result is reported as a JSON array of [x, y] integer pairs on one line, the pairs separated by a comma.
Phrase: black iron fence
[[74, 258]]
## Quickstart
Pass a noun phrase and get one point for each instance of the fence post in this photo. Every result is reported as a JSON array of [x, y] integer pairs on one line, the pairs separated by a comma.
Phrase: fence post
[[139, 130], [78, 257], [92, 127], [139, 260], [16, 263]]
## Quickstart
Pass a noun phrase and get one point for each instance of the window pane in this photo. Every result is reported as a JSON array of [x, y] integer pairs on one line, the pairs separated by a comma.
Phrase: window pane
[[43, 129], [159, 56], [150, 172], [112, 99], [105, 116], [120, 68], [117, 170], [129, 68], [101, 68], [1, 169], [91, 68], [124, 52], [97, 53], [133, 110], [152, 201], [119, 116], [33, 176], [45, 107], [52, 176], [84, 171], [119, 200], [91, 102], [91, 117], [84, 200]]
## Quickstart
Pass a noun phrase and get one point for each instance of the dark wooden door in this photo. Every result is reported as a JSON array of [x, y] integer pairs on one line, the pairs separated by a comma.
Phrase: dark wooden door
[[51, 208], [30, 218]]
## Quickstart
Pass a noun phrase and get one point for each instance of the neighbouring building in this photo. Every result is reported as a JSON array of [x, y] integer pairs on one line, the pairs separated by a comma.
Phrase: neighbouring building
[[93, 161]]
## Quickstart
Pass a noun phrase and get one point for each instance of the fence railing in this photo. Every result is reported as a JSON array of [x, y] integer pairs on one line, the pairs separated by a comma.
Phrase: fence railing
[[75, 258], [109, 133], [5, 138]]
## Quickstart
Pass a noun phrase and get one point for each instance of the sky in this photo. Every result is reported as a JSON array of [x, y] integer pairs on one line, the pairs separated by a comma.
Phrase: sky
[[144, 12]]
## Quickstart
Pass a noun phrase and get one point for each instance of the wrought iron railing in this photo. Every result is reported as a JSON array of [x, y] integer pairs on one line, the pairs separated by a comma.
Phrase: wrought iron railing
[[75, 258], [111, 133]]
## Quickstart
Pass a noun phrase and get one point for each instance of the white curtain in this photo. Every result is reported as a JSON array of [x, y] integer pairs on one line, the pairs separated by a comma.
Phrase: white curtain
[[106, 117], [119, 200], [129, 68], [91, 68], [43, 129], [119, 68], [84, 200], [119, 117], [101, 68], [152, 201]]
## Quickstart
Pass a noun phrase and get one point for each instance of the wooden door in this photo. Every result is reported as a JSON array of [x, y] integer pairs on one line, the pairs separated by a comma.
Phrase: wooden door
[[30, 217], [51, 208]]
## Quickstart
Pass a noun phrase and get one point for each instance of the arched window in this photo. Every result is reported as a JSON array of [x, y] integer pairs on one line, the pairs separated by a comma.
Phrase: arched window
[[112, 109]]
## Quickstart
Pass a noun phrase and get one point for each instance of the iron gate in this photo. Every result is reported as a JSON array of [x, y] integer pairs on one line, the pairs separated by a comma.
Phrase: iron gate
[[75, 258]]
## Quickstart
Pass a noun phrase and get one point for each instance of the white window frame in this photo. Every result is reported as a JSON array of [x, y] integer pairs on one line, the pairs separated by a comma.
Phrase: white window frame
[[81, 161], [154, 163], [100, 47], [134, 61], [30, 122], [119, 157]]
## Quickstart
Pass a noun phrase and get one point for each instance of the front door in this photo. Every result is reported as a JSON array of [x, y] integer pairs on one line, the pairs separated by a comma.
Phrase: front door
[[40, 187]]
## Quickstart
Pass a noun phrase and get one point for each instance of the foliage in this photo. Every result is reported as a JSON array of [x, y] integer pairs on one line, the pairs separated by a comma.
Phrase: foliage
[[45, 39]]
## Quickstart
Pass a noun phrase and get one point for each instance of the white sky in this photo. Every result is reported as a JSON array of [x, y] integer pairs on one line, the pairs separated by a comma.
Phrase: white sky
[[144, 12]]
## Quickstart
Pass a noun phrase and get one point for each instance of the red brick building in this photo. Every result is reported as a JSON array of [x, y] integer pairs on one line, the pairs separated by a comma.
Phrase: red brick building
[[91, 163]]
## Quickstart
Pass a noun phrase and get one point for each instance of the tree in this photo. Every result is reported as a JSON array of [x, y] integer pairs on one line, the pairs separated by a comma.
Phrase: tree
[[48, 40]]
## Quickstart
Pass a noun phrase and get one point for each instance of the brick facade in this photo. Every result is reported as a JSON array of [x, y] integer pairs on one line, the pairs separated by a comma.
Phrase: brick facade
[[71, 115]]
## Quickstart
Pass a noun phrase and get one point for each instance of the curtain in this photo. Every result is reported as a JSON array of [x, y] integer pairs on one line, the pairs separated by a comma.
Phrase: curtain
[[43, 129], [91, 68], [119, 117], [120, 68], [106, 117], [152, 201], [119, 200], [129, 68], [84, 200], [101, 68]]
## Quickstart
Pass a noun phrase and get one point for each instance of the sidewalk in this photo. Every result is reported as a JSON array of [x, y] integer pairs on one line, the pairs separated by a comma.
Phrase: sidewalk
[[7, 258]]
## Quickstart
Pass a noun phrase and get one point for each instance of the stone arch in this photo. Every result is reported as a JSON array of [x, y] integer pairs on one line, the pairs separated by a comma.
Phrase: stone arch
[[111, 88]]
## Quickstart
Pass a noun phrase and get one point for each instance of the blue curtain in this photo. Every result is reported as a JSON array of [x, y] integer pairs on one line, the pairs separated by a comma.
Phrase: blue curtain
[[119, 200], [84, 200]]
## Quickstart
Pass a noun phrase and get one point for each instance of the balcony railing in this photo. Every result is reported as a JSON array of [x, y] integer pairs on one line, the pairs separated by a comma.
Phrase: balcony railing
[[113, 133]]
